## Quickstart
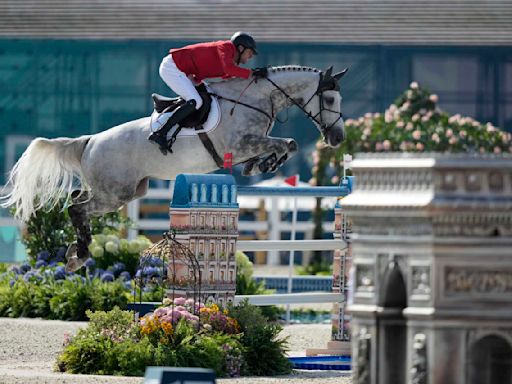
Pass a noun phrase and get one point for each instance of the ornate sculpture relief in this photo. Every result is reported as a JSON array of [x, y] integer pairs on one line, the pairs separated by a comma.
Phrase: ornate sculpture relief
[[420, 276], [460, 280], [419, 359], [365, 278]]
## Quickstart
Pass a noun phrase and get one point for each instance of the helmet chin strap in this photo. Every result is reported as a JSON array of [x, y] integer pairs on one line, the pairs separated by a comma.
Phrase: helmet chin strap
[[240, 54]]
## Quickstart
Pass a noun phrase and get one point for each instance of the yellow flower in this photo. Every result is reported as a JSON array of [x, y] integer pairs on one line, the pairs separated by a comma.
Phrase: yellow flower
[[167, 327], [226, 312]]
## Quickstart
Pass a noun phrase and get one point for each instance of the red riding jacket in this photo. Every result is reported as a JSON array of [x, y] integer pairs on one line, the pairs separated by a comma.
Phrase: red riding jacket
[[207, 60]]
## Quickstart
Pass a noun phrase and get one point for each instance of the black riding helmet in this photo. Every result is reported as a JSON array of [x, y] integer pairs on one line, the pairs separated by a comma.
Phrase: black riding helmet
[[245, 40]]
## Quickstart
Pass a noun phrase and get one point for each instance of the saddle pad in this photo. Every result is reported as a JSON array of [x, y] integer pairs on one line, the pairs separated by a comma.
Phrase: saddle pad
[[158, 120]]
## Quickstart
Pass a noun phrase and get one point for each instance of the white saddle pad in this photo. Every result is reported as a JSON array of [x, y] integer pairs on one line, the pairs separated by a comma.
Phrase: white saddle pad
[[158, 120]]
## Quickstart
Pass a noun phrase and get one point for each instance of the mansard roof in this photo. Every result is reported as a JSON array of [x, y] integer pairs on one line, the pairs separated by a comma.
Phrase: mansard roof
[[204, 191]]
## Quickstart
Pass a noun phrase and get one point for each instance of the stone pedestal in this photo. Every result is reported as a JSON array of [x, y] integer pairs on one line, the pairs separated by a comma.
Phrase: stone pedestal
[[432, 269]]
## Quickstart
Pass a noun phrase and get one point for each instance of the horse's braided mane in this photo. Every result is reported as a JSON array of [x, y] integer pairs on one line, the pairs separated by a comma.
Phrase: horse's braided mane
[[296, 68]]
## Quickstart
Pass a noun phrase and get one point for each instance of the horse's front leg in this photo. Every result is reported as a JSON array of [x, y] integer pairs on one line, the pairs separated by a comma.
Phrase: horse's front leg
[[270, 154]]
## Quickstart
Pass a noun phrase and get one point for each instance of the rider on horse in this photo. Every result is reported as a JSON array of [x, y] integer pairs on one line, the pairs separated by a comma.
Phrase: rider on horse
[[194, 63]]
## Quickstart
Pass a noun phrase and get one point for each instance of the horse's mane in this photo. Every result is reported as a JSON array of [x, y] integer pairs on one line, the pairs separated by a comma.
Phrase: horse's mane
[[295, 68]]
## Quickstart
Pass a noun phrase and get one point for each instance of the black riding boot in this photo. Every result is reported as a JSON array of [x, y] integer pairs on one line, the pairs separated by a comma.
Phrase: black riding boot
[[160, 136]]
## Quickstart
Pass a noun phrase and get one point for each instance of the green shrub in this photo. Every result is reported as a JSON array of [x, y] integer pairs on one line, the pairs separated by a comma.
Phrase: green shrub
[[264, 353], [413, 123], [49, 230], [113, 343]]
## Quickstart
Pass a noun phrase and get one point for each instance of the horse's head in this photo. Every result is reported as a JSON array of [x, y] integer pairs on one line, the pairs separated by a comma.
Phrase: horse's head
[[325, 108]]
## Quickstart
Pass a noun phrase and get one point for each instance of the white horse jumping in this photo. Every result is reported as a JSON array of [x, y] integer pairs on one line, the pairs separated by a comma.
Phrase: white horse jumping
[[113, 167]]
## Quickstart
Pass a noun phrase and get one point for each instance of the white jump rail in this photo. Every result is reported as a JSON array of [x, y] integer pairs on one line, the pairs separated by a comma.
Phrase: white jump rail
[[291, 298]]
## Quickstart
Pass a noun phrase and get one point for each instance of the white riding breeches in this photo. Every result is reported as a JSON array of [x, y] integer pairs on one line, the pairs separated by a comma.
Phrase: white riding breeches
[[178, 81]]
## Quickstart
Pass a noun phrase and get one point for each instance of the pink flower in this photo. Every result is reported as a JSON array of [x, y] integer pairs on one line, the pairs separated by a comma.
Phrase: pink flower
[[462, 134], [420, 146], [449, 133], [409, 126], [414, 85], [367, 131], [189, 302], [180, 300], [335, 180], [453, 140], [490, 128], [415, 117], [435, 138], [497, 150], [386, 145], [378, 147], [434, 98], [416, 135], [400, 124], [313, 181], [159, 312]]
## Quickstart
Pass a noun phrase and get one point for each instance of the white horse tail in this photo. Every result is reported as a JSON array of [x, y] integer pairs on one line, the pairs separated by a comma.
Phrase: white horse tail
[[43, 174]]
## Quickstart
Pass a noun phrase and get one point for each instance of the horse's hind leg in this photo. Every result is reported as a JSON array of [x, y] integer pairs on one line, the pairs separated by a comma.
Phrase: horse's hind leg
[[78, 251], [80, 213]]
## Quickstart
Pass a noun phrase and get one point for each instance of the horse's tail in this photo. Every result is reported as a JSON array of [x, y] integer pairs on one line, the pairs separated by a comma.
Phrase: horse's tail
[[43, 174]]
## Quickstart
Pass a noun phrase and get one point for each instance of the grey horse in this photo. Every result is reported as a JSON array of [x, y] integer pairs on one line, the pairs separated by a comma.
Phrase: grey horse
[[113, 167]]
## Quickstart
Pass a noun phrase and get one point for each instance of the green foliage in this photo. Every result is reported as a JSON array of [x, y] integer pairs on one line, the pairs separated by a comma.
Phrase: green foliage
[[245, 284], [107, 248], [66, 299], [51, 229], [320, 268], [113, 344], [265, 353], [413, 123]]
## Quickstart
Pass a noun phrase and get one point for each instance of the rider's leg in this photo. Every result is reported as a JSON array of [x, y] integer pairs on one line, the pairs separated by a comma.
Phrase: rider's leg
[[160, 136], [181, 85]]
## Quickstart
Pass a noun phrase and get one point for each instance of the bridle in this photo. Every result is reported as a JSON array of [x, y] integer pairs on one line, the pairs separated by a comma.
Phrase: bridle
[[316, 119], [324, 129]]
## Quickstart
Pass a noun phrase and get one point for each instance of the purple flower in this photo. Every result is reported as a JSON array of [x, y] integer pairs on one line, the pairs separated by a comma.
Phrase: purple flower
[[11, 283], [25, 267], [40, 263], [107, 277], [60, 273], [125, 276], [43, 255], [61, 254], [90, 263]]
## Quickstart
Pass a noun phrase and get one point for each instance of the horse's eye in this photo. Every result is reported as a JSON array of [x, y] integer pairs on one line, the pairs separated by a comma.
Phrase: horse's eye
[[329, 100]]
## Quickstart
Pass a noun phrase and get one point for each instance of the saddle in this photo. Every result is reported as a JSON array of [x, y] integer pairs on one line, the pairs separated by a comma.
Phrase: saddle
[[164, 104]]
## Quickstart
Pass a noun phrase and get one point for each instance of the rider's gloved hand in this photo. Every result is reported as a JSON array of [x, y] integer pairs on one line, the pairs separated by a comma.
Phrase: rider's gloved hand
[[260, 73]]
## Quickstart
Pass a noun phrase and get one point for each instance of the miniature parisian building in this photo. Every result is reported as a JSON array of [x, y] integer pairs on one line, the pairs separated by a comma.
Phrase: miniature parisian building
[[432, 269], [204, 216]]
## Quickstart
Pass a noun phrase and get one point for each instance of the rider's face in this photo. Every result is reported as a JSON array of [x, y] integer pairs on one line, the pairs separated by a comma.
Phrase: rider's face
[[245, 55]]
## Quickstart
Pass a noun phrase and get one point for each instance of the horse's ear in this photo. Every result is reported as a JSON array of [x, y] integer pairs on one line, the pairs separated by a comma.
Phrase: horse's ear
[[328, 72], [339, 75]]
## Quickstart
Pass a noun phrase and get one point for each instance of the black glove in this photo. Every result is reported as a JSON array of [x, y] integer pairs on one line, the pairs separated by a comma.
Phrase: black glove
[[260, 73]]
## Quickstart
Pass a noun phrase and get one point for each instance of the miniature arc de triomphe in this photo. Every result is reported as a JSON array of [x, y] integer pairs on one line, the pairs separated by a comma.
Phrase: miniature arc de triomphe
[[431, 283], [431, 279]]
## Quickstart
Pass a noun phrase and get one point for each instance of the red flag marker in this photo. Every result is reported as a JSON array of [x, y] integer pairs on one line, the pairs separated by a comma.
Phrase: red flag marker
[[292, 180], [228, 161]]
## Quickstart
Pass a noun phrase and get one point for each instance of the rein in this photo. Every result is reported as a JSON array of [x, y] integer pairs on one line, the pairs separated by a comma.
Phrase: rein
[[314, 118]]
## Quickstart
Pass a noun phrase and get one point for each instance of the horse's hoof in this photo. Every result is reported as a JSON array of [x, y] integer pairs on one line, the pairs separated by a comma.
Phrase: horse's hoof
[[74, 264], [71, 251]]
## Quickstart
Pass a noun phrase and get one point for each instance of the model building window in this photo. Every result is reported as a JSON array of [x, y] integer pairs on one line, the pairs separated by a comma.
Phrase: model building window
[[221, 275], [201, 220], [214, 221]]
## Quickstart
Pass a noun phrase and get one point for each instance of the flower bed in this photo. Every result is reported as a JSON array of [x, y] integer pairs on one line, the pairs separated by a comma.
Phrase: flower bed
[[413, 123], [180, 333]]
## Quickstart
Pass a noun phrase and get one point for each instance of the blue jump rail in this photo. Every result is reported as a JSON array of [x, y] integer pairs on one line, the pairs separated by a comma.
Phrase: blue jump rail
[[343, 190], [324, 363]]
